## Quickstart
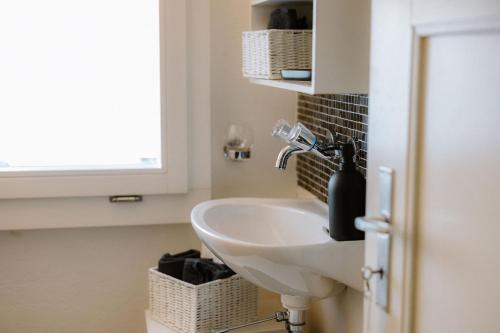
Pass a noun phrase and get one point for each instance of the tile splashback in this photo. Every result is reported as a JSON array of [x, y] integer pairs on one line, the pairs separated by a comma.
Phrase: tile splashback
[[346, 115]]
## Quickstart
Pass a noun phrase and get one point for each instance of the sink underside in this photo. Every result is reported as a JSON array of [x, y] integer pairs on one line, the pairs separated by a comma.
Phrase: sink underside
[[279, 244]]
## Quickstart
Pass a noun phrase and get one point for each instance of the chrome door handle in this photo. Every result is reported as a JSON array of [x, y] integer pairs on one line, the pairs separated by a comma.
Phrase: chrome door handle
[[381, 229], [367, 224]]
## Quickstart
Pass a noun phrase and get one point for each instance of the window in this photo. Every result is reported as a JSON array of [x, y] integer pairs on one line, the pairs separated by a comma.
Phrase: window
[[84, 109]]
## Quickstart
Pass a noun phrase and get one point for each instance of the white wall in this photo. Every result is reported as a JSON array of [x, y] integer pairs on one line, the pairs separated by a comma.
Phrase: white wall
[[340, 314], [88, 280], [235, 100]]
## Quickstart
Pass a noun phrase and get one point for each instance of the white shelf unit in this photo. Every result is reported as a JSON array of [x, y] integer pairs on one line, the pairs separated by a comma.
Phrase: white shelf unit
[[341, 44], [298, 86]]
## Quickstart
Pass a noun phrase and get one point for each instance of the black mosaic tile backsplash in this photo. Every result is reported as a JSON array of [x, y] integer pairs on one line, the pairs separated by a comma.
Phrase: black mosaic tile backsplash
[[347, 115]]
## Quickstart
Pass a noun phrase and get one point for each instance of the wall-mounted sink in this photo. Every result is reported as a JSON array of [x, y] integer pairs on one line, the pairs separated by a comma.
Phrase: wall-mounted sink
[[280, 244]]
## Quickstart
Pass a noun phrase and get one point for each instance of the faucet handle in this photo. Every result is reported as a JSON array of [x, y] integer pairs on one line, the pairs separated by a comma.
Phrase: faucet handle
[[302, 137], [297, 135], [282, 130], [355, 145], [331, 138]]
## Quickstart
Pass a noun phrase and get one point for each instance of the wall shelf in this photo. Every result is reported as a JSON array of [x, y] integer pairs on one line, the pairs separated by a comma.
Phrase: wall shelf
[[298, 86], [341, 43]]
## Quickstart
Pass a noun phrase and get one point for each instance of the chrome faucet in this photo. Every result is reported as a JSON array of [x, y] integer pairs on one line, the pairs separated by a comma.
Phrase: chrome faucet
[[301, 140], [285, 154]]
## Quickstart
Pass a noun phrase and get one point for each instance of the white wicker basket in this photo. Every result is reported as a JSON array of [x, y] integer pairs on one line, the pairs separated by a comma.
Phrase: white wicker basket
[[267, 52], [188, 308]]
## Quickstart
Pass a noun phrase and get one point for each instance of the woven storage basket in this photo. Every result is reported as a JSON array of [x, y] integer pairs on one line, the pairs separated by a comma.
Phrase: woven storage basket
[[267, 52], [188, 308]]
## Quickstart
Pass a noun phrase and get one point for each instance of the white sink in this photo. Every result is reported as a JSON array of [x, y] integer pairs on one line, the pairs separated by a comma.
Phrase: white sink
[[280, 244]]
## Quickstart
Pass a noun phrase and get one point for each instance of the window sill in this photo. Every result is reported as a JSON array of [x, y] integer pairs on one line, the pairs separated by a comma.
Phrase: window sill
[[30, 214]]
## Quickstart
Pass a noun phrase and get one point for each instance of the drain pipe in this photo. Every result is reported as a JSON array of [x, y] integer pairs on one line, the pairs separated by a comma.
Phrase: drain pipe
[[294, 318], [278, 316], [297, 307]]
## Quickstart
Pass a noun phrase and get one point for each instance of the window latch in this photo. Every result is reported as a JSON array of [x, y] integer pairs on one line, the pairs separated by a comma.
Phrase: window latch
[[125, 198]]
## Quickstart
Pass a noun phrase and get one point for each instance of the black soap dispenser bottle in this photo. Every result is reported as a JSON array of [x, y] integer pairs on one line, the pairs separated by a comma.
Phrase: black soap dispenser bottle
[[346, 198]]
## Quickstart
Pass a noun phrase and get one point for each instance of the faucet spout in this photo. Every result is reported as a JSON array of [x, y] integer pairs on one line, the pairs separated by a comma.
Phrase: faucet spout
[[285, 154], [302, 140]]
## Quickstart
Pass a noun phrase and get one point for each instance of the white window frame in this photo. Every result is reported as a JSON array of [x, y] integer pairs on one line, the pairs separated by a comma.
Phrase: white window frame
[[172, 177]]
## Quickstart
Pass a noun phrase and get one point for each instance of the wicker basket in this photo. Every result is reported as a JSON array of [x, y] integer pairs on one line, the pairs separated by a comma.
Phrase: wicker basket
[[267, 52], [188, 308]]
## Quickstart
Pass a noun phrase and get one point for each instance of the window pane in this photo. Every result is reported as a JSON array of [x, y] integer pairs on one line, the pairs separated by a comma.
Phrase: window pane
[[79, 85]]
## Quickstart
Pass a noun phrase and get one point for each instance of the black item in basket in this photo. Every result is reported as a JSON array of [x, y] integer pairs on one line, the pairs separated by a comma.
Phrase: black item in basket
[[284, 18], [173, 264], [199, 271]]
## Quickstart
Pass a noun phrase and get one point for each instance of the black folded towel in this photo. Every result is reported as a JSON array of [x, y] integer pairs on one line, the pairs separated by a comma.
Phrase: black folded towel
[[286, 18], [198, 271], [173, 265]]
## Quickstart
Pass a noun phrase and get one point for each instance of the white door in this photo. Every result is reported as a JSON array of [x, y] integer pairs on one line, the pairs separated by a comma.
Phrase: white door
[[435, 120]]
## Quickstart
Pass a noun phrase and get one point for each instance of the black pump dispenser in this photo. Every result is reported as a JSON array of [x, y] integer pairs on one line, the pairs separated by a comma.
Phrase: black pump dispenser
[[346, 198]]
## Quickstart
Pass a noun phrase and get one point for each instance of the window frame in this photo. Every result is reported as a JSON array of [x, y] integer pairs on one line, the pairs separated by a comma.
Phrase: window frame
[[172, 177]]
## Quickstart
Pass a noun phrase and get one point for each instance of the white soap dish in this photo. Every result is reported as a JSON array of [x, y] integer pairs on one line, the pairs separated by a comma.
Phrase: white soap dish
[[296, 74]]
